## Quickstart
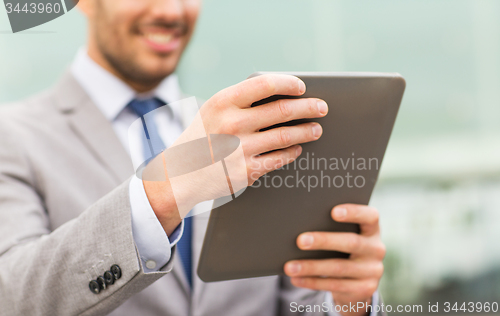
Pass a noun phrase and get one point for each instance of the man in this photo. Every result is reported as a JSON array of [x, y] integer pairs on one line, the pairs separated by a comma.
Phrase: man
[[81, 236]]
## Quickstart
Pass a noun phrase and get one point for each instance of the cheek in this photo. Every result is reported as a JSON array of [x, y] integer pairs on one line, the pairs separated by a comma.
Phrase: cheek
[[121, 16], [192, 10], [111, 33]]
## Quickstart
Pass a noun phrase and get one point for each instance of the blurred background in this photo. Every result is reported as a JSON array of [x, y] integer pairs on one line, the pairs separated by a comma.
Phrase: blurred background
[[439, 189]]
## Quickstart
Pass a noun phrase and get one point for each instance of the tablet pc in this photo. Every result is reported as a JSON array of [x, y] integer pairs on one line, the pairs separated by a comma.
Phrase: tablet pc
[[255, 234]]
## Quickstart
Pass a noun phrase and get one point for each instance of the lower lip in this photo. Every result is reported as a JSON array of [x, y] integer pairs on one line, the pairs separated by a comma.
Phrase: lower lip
[[164, 48]]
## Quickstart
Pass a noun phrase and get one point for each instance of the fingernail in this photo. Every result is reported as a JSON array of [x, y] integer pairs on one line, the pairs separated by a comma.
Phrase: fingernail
[[294, 267], [322, 107], [317, 130], [306, 240], [302, 87], [340, 212], [298, 150]]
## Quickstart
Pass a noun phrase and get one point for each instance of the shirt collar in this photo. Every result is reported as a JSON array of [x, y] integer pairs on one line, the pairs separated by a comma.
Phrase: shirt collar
[[110, 94]]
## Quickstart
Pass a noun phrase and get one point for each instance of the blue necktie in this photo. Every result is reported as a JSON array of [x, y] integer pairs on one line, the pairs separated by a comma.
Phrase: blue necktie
[[184, 248], [152, 146]]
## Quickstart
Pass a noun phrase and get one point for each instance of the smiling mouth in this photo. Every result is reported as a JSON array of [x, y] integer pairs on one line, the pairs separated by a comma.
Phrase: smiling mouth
[[161, 33], [160, 38], [163, 40]]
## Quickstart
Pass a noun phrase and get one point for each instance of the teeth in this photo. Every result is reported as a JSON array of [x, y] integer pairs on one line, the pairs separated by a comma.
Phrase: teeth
[[159, 38]]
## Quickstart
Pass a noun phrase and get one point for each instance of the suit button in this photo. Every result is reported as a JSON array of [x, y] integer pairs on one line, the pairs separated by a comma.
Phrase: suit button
[[102, 283], [109, 278], [94, 287], [116, 270]]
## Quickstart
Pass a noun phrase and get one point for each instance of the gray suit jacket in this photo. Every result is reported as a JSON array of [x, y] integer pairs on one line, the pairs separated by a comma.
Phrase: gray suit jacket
[[65, 219]]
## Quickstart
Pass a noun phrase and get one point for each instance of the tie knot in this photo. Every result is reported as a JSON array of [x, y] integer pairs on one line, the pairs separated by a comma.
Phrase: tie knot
[[143, 106]]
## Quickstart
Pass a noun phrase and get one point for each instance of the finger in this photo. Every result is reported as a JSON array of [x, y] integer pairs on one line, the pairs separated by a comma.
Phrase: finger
[[282, 137], [255, 89], [337, 268], [274, 160], [362, 288], [285, 110], [344, 242], [366, 216]]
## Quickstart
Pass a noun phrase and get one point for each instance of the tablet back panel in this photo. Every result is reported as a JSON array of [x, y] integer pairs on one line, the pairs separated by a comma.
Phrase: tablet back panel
[[255, 234]]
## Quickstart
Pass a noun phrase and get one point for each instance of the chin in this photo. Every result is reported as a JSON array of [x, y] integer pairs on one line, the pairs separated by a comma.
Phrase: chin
[[151, 72], [161, 64]]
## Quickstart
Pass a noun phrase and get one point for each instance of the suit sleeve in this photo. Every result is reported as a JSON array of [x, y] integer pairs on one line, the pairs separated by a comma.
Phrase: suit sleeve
[[45, 272]]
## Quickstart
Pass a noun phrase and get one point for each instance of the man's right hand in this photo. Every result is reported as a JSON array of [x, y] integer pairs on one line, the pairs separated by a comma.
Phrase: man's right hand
[[230, 112]]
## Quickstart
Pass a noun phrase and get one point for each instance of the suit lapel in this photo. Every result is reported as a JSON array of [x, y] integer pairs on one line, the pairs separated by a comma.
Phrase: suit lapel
[[95, 131], [180, 276]]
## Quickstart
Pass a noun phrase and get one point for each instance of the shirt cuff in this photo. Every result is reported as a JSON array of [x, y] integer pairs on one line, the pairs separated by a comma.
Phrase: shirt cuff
[[332, 312], [153, 244]]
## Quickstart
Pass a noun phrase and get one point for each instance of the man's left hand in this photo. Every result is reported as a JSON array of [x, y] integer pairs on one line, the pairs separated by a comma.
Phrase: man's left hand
[[350, 280]]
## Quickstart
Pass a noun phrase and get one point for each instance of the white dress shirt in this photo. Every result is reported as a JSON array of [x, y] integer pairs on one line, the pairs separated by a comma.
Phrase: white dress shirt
[[111, 96]]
